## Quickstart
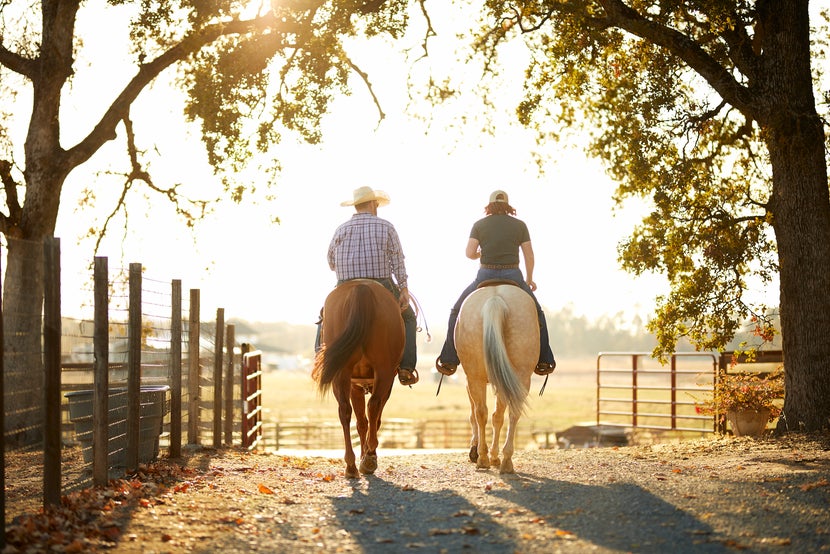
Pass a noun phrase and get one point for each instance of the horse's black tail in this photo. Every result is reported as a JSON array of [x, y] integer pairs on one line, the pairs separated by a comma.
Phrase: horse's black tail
[[359, 309]]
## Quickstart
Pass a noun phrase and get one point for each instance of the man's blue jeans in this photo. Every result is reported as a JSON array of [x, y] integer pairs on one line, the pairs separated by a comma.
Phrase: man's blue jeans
[[448, 352]]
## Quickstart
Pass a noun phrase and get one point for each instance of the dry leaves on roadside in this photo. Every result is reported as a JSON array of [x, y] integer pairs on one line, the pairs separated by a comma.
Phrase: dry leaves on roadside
[[810, 486], [89, 518]]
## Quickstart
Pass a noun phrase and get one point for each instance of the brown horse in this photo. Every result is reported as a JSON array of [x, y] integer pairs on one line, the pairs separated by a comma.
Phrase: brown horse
[[497, 337], [362, 344]]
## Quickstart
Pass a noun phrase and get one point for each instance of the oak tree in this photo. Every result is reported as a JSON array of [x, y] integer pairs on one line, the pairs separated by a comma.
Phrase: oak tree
[[250, 71], [708, 108]]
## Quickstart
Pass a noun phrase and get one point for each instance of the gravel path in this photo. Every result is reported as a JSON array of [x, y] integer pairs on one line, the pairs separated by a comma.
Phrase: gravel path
[[712, 495]]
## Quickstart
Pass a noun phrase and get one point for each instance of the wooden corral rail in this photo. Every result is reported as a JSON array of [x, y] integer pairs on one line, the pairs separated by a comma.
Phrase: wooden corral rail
[[304, 434]]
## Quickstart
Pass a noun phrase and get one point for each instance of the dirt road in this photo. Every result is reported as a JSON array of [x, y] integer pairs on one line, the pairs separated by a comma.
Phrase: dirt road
[[712, 495]]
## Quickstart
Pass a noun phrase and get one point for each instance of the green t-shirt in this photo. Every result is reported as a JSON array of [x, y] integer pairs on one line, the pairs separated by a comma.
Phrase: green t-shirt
[[500, 236]]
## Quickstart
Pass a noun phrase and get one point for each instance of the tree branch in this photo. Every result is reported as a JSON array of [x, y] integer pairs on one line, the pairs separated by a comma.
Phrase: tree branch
[[365, 77], [119, 109], [430, 32], [11, 221], [138, 173], [618, 14], [741, 48], [17, 63]]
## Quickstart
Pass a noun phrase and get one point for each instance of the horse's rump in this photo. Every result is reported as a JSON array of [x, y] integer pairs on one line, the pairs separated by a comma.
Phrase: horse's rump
[[355, 308], [497, 330], [500, 371], [359, 321]]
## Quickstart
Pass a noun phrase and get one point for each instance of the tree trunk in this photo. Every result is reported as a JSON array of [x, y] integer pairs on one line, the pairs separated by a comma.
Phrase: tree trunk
[[22, 326], [800, 209], [801, 220]]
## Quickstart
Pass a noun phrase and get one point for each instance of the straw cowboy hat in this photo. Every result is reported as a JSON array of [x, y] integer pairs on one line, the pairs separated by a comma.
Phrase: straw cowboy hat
[[366, 194]]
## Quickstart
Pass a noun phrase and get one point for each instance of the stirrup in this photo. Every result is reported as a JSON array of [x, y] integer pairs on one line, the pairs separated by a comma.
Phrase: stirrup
[[445, 369], [544, 368], [407, 380]]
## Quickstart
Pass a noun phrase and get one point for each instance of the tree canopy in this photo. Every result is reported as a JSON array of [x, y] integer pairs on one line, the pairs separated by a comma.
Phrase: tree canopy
[[707, 108], [675, 98], [250, 72]]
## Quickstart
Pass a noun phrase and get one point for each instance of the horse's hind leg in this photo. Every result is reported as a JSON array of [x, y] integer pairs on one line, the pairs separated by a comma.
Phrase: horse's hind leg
[[509, 442], [473, 428], [478, 394], [498, 422], [344, 410], [510, 435], [368, 439], [374, 407], [359, 407]]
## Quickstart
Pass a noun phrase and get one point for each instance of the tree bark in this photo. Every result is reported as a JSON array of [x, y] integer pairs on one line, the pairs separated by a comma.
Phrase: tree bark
[[800, 209], [801, 220], [22, 326]]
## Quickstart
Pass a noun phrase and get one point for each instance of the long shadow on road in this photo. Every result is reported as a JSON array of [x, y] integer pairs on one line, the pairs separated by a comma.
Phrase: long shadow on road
[[384, 518], [615, 517]]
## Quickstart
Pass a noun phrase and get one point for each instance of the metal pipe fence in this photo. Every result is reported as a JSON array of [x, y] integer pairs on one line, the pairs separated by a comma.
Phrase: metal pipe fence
[[637, 391]]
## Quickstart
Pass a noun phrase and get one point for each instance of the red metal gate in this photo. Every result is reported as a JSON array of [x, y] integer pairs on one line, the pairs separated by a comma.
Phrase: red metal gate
[[251, 399], [639, 392]]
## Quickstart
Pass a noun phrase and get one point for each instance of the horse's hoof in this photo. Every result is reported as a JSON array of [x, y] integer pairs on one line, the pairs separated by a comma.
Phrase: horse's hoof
[[368, 464], [506, 467], [474, 454], [494, 461], [351, 473]]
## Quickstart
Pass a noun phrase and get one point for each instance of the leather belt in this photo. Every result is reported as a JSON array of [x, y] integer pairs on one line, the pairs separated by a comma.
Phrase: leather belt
[[500, 266]]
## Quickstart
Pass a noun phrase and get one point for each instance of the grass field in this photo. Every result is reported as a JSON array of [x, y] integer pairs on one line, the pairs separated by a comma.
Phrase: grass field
[[569, 397]]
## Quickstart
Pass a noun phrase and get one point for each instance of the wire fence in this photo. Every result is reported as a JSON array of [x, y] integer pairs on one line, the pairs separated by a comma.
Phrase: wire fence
[[129, 351]]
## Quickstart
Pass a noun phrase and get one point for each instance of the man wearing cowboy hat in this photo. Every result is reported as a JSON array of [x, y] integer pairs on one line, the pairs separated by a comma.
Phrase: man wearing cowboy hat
[[368, 247]]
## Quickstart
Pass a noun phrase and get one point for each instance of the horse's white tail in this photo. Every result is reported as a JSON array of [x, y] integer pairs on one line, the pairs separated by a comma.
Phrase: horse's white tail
[[500, 371]]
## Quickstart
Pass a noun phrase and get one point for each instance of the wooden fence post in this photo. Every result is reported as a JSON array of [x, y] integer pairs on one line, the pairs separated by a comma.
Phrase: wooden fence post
[[193, 351], [52, 367], [176, 369], [217, 377], [100, 376], [2, 418], [134, 366]]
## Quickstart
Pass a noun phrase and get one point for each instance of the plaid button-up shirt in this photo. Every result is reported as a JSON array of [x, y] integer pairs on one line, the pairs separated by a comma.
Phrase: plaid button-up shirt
[[367, 246]]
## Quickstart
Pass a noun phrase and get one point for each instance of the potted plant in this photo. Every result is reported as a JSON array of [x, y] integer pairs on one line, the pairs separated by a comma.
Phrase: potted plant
[[747, 400]]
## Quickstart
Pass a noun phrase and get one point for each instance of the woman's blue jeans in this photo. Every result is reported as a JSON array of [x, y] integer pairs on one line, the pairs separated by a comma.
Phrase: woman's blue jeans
[[448, 352]]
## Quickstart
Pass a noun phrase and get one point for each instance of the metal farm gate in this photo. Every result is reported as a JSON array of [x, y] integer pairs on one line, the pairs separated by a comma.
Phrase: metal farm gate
[[634, 390]]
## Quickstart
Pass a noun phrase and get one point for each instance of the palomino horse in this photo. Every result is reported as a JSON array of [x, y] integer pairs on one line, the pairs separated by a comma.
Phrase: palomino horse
[[497, 337], [362, 344]]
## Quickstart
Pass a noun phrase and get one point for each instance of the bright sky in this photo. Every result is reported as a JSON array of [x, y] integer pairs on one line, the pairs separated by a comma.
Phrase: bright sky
[[266, 272], [263, 272]]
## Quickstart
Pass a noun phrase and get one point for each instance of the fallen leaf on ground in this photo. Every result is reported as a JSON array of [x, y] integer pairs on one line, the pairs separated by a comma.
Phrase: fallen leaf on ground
[[810, 486]]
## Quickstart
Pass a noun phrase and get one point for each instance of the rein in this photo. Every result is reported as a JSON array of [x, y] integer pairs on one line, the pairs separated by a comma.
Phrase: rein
[[419, 315]]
